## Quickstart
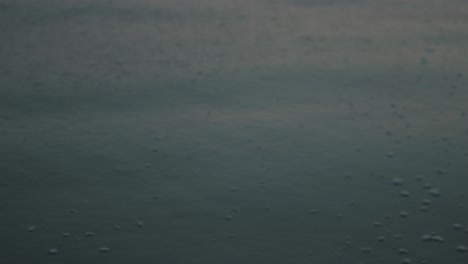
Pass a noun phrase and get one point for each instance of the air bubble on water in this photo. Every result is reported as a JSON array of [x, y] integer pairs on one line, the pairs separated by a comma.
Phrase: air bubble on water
[[405, 193], [53, 251], [89, 234], [423, 61], [438, 238], [407, 261], [423, 208], [367, 250], [461, 248], [426, 237], [381, 238], [426, 201], [103, 249], [139, 223], [313, 211], [434, 192], [397, 181], [403, 251]]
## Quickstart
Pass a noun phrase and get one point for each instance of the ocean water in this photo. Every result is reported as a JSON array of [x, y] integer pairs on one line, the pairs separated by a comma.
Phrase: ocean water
[[260, 131]]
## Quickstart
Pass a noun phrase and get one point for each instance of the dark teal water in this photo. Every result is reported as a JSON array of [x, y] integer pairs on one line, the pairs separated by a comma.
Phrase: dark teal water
[[233, 131]]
